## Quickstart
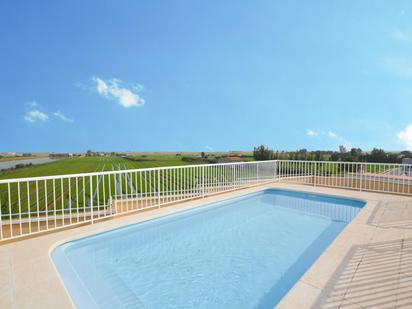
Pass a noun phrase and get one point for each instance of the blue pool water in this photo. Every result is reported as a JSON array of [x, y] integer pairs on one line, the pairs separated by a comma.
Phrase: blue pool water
[[245, 252]]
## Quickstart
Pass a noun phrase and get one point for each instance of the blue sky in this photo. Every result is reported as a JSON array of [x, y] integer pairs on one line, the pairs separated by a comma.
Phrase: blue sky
[[205, 75]]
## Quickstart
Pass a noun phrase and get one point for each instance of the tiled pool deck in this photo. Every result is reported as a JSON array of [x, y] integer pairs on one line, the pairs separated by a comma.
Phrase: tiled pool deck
[[369, 265]]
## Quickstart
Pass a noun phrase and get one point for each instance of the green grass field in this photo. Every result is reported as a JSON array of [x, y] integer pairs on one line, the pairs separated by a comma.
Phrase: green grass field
[[92, 164], [57, 194]]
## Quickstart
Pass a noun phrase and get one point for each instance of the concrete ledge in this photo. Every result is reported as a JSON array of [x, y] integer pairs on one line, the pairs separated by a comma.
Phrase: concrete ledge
[[376, 246]]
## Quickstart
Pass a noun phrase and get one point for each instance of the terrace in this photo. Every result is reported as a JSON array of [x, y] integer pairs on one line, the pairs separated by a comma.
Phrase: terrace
[[368, 264]]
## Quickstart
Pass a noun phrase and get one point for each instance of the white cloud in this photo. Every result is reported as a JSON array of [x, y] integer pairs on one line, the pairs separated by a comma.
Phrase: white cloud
[[62, 117], [329, 134], [332, 134], [403, 37], [35, 116], [115, 90], [405, 136], [209, 148], [101, 86], [310, 132], [339, 139]]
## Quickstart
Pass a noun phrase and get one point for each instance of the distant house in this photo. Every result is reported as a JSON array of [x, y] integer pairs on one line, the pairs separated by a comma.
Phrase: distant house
[[407, 169], [230, 159], [406, 160], [60, 155]]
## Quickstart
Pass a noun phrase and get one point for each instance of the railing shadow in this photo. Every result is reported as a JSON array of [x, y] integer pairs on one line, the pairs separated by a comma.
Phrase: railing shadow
[[377, 275], [393, 214]]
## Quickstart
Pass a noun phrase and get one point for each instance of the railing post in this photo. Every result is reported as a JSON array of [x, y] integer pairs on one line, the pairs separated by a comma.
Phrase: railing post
[[91, 199], [257, 172], [234, 176], [275, 174], [361, 167], [314, 173], [203, 181], [158, 188]]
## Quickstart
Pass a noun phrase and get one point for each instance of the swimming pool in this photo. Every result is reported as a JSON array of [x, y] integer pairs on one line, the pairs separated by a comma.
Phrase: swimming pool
[[245, 252]]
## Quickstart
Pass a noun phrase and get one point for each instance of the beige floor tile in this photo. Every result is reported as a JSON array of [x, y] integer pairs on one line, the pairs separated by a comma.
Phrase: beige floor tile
[[347, 304], [334, 270], [302, 296], [375, 283], [48, 293], [33, 273], [404, 293], [7, 301], [406, 257], [4, 257], [6, 279]]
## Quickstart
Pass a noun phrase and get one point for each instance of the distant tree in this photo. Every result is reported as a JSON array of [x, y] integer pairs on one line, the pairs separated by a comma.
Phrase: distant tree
[[318, 156], [356, 152], [262, 153], [335, 156], [377, 155], [355, 155], [342, 149], [302, 154], [202, 154], [406, 154], [392, 157]]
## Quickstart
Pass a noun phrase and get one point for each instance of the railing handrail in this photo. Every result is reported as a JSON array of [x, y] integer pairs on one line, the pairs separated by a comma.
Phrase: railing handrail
[[343, 162]]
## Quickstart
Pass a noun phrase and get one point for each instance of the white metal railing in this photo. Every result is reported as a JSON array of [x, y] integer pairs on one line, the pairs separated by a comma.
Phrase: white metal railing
[[35, 205], [375, 177]]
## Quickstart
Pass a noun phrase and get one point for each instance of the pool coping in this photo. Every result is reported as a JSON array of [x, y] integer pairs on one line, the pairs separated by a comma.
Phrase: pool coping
[[27, 272]]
